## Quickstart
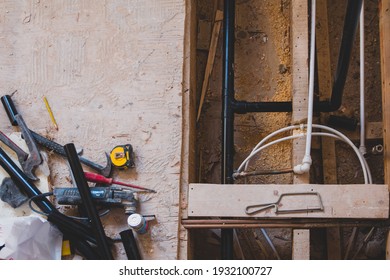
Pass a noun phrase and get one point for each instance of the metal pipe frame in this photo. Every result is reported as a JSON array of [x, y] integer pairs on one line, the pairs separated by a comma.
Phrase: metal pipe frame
[[231, 106]]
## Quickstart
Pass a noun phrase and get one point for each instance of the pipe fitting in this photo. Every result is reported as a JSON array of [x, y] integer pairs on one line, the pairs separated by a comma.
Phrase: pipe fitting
[[304, 167], [362, 150], [377, 150]]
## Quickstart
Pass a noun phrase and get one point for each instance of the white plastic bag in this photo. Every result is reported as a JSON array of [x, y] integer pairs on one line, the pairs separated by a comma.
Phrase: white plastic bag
[[29, 238]]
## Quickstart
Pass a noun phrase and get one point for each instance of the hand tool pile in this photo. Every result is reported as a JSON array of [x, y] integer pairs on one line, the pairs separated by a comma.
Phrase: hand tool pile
[[86, 236]]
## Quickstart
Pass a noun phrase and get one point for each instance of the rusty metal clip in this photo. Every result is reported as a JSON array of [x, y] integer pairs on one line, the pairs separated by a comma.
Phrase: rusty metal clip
[[253, 209]]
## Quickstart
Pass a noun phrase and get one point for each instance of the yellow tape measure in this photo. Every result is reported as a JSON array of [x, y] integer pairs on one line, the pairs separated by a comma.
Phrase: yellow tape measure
[[122, 156]]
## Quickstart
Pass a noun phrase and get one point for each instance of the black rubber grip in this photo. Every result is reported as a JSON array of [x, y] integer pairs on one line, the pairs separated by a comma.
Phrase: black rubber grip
[[59, 149], [10, 109], [49, 144]]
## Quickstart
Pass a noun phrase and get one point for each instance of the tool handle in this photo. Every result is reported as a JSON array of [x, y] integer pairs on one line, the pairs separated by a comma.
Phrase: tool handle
[[10, 109], [22, 155], [96, 178], [59, 149], [253, 209], [51, 145]]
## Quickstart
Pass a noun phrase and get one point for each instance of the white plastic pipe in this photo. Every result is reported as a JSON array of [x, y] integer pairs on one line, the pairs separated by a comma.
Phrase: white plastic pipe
[[362, 147], [304, 167], [334, 133]]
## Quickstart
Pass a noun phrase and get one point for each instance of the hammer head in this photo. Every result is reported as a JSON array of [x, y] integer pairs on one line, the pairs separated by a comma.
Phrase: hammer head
[[106, 171], [29, 168]]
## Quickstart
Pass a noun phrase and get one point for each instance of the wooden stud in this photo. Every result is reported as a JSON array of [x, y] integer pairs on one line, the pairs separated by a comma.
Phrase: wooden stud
[[187, 174], [328, 144], [384, 29], [301, 246], [300, 55], [384, 25]]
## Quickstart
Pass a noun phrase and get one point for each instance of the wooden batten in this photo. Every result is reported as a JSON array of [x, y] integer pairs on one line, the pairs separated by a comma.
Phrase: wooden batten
[[339, 201]]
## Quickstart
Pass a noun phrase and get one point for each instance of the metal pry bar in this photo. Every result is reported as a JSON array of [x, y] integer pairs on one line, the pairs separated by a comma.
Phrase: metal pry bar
[[262, 207]]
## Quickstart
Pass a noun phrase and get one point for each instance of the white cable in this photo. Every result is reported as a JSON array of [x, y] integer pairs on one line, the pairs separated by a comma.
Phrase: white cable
[[339, 135], [304, 167], [362, 147]]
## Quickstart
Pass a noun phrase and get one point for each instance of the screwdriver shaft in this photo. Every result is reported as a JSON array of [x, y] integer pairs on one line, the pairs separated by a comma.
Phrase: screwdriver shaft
[[97, 178]]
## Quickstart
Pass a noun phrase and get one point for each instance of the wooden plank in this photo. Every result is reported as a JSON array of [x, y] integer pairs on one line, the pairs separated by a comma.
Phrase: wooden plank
[[384, 25], [301, 246], [300, 81], [204, 31], [328, 144], [339, 201], [188, 168], [333, 240], [211, 57], [384, 29], [300, 57], [388, 246]]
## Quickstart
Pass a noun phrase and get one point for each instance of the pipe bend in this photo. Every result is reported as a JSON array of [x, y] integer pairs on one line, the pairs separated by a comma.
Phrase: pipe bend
[[304, 167]]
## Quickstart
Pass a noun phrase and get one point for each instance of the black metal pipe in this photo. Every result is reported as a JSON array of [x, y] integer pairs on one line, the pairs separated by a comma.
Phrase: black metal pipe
[[351, 22], [69, 226], [228, 116], [243, 107], [130, 245], [349, 31], [88, 203], [228, 94]]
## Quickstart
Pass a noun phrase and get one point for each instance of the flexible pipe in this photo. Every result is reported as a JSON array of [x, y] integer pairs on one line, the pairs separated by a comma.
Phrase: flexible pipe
[[362, 147], [286, 138], [336, 134], [304, 167], [265, 139]]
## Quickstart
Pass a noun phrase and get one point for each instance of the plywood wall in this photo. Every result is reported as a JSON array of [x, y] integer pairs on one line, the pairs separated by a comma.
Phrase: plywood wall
[[112, 72]]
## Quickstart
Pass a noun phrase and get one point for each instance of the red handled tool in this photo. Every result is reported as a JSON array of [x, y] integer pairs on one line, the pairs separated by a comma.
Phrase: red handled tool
[[97, 178]]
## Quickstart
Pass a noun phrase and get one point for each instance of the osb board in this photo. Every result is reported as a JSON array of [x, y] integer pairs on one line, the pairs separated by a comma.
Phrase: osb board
[[112, 73], [339, 201]]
